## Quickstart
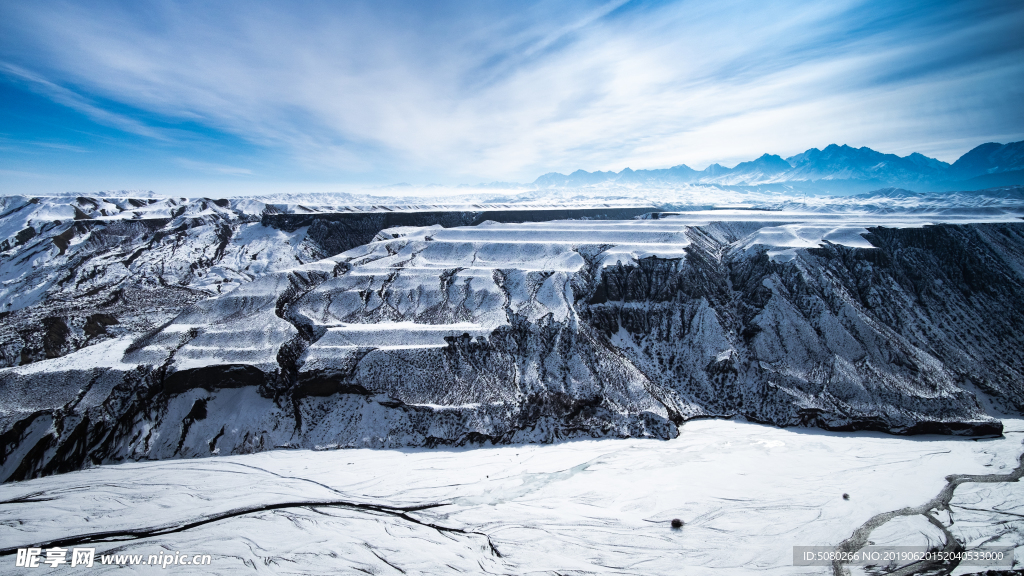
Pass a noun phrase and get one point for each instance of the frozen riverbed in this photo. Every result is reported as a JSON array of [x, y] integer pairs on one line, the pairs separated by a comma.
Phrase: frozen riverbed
[[747, 494]]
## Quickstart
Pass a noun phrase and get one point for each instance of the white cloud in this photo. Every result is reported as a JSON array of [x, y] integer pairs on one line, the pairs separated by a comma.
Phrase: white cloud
[[461, 91], [213, 168]]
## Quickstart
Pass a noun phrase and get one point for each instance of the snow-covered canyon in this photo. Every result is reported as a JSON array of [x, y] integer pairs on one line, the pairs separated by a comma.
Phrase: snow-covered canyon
[[209, 331], [540, 377]]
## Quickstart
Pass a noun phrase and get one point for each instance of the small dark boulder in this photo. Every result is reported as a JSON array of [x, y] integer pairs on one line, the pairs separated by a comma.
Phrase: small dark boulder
[[55, 339], [24, 236], [96, 324]]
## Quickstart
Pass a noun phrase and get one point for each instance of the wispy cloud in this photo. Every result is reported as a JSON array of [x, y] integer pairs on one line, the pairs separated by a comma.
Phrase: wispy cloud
[[460, 90], [21, 144], [77, 102], [21, 173], [212, 168]]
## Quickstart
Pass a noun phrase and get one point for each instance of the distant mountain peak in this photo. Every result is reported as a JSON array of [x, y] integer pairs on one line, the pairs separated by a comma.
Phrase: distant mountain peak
[[862, 168], [990, 158]]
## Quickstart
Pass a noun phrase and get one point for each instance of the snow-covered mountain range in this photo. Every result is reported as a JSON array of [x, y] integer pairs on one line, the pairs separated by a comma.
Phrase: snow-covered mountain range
[[152, 328], [836, 169]]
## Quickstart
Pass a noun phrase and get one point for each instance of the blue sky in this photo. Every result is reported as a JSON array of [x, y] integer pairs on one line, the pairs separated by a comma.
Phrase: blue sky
[[251, 97]]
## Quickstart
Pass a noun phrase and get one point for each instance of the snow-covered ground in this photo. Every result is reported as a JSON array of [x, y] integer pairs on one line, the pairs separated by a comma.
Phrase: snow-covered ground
[[747, 494]]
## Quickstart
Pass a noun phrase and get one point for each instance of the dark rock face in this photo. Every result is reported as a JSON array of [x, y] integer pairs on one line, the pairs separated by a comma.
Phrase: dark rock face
[[334, 233], [472, 337], [912, 326], [213, 378]]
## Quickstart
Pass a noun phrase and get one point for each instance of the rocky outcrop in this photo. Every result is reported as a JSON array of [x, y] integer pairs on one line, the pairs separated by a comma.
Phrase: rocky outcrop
[[894, 338]]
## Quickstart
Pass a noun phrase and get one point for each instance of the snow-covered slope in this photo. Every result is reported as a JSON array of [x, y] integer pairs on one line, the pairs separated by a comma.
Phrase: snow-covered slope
[[76, 271], [238, 326]]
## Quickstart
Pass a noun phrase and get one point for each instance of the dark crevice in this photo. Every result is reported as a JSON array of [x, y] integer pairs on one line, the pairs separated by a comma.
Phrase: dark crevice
[[141, 533], [860, 536]]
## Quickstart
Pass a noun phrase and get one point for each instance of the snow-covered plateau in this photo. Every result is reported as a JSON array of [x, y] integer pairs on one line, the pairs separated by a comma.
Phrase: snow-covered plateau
[[746, 494], [543, 385]]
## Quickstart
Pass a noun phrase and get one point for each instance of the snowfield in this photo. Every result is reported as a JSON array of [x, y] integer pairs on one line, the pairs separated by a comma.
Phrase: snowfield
[[747, 494]]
